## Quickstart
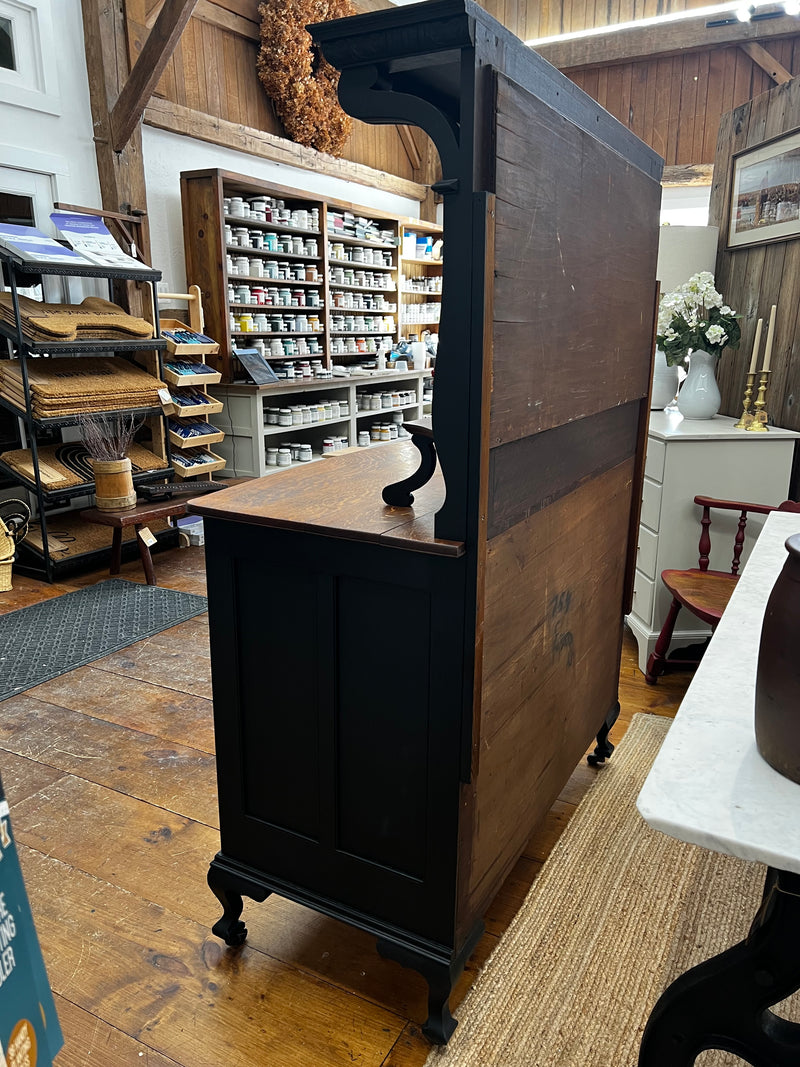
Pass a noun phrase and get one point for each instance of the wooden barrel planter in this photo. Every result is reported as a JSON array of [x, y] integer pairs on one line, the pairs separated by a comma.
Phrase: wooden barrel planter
[[113, 484]]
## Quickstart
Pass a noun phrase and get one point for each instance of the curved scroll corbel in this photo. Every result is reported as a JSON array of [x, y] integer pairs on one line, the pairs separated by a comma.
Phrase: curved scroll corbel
[[368, 95], [400, 494]]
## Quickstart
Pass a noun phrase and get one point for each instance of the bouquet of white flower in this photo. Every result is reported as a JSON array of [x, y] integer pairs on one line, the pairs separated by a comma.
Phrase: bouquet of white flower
[[693, 317]]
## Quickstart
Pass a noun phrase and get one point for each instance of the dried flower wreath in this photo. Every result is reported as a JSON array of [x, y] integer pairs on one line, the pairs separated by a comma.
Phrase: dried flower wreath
[[299, 81]]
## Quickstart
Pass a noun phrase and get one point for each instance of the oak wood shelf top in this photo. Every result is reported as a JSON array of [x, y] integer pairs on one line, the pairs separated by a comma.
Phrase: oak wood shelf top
[[342, 500]]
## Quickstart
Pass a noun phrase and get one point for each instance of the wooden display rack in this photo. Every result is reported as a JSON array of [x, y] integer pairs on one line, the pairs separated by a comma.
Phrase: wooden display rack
[[197, 382]]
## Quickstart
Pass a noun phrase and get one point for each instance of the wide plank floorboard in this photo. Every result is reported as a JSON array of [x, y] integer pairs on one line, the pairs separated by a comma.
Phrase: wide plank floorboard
[[110, 774]]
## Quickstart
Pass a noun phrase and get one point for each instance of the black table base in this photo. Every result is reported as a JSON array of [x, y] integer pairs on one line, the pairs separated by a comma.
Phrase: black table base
[[725, 1002]]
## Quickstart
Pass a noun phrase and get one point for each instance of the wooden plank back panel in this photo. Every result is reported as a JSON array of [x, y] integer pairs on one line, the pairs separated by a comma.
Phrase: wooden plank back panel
[[574, 284], [553, 589], [561, 195]]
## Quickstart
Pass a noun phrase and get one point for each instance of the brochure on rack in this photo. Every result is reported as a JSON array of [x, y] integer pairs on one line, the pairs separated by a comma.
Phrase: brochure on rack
[[32, 246], [91, 238]]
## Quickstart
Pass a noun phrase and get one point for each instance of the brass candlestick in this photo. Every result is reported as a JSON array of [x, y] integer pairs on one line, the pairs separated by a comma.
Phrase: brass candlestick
[[747, 416], [759, 423]]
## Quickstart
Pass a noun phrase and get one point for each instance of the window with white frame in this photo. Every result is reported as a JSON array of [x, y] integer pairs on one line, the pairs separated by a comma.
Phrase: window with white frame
[[28, 61], [7, 60]]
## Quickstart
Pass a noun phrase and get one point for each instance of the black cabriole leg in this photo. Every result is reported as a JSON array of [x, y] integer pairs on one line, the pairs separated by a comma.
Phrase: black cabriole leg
[[724, 1003], [441, 975], [228, 890], [604, 748]]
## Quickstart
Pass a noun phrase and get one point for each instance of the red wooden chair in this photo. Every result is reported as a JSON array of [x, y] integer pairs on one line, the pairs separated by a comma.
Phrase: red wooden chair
[[702, 591]]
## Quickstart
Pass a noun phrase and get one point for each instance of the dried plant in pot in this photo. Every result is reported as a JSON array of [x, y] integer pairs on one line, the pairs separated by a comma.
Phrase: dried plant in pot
[[107, 438]]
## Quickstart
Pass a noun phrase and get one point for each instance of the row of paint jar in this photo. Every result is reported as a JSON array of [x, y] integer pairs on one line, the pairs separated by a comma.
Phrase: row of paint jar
[[382, 431], [283, 348], [382, 401], [360, 302], [257, 294], [374, 257], [262, 323], [345, 223], [350, 346], [241, 237], [323, 410], [275, 270], [432, 284], [302, 369], [425, 313], [365, 279], [365, 323], [268, 209]]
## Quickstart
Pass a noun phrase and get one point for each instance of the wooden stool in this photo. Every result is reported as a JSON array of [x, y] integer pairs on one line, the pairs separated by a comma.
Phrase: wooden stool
[[136, 517]]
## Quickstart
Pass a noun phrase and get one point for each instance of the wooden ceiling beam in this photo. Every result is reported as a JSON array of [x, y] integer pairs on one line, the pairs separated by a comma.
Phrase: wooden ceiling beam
[[664, 39], [687, 174], [165, 115], [148, 68], [410, 146], [768, 63]]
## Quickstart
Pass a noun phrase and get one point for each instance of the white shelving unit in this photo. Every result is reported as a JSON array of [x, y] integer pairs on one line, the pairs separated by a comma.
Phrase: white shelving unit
[[247, 436]]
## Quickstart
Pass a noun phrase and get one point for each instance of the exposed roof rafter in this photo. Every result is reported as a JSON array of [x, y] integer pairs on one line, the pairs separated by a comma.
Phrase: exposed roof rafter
[[656, 41]]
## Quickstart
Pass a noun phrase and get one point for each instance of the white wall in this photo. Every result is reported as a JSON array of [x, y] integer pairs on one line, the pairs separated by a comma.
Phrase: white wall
[[50, 131], [167, 154], [685, 205]]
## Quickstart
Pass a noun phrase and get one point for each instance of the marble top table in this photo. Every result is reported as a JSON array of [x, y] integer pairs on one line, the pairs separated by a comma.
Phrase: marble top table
[[709, 786]]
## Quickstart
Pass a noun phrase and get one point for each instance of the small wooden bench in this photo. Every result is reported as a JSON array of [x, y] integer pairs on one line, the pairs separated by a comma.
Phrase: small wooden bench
[[137, 517]]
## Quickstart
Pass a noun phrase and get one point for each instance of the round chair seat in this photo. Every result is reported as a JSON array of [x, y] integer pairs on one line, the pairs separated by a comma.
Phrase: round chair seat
[[705, 593]]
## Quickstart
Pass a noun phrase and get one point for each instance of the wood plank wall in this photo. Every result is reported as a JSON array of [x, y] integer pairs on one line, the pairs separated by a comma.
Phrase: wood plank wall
[[675, 103], [530, 19], [213, 71], [753, 278]]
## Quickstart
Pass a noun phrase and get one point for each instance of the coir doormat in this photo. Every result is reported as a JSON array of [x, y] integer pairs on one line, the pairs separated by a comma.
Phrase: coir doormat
[[48, 639]]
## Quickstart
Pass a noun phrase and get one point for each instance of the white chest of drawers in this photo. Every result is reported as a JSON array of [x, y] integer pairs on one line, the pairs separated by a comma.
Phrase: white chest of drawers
[[686, 458]]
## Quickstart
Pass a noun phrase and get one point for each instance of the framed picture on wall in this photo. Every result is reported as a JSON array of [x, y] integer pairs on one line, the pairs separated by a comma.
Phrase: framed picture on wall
[[765, 193]]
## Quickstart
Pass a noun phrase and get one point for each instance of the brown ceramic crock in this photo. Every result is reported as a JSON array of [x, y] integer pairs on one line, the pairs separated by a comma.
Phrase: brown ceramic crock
[[778, 676]]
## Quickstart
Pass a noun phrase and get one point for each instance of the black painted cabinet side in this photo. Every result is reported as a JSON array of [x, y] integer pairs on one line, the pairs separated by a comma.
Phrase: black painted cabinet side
[[337, 673]]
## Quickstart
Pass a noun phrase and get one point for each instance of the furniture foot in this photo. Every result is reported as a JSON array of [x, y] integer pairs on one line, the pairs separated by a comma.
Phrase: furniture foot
[[657, 662], [228, 890], [604, 748], [441, 974], [724, 1003], [399, 494]]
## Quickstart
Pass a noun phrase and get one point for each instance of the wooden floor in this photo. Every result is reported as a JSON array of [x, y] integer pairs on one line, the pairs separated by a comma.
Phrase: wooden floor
[[109, 771]]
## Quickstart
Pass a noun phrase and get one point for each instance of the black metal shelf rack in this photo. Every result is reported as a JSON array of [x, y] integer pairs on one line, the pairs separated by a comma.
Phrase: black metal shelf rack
[[25, 346]]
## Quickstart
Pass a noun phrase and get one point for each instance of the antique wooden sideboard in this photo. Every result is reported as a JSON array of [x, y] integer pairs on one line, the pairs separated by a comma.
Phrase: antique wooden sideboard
[[401, 693]]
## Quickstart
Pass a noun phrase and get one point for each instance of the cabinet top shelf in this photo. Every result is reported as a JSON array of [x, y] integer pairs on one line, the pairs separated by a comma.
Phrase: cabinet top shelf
[[341, 498]]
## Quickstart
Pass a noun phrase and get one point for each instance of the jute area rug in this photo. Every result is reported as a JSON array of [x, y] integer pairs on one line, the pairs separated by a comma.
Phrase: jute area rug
[[617, 912]]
